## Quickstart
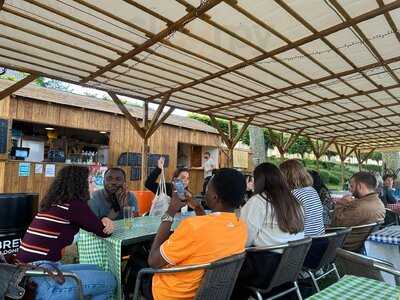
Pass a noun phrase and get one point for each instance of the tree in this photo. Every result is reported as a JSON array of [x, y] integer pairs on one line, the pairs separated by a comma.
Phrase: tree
[[330, 154], [377, 156], [223, 124], [300, 146], [257, 145], [53, 84]]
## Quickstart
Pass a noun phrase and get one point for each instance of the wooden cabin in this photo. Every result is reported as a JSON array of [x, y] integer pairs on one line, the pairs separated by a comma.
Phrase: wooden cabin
[[61, 128]]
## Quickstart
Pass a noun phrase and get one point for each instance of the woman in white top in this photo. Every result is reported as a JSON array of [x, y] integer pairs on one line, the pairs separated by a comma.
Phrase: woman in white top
[[273, 216]]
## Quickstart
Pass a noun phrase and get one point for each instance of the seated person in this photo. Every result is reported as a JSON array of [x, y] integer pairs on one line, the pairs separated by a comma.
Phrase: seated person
[[301, 184], [63, 211], [273, 216], [387, 193], [110, 201], [364, 207], [199, 239], [180, 173]]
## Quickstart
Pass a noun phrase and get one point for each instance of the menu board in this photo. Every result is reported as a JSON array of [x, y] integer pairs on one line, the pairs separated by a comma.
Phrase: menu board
[[3, 135]]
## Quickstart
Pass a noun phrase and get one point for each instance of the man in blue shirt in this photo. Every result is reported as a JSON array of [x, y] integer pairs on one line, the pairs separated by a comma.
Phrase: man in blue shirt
[[110, 201]]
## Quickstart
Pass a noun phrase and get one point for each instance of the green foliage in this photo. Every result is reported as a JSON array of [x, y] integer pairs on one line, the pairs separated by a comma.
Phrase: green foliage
[[8, 77], [53, 84], [330, 154], [376, 156], [301, 146]]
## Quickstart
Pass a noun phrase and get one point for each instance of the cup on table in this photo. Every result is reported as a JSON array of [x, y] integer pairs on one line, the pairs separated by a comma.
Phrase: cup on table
[[128, 217]]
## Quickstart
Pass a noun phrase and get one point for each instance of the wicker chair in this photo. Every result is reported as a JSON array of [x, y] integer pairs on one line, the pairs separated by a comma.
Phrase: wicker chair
[[324, 259], [218, 280], [350, 263], [289, 267]]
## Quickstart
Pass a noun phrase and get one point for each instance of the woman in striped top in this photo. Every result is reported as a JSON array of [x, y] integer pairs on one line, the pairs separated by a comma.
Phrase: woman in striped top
[[63, 211], [300, 182]]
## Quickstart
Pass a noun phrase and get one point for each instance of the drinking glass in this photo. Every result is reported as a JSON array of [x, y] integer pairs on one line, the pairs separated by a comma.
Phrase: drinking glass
[[128, 217]]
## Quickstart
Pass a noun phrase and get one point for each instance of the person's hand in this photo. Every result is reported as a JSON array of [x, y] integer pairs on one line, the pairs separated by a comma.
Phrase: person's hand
[[175, 205], [122, 195], [160, 162], [193, 204], [345, 200], [108, 225]]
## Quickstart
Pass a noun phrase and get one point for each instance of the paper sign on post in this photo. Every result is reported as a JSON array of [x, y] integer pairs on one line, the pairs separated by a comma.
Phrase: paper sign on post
[[50, 170], [38, 168], [24, 169]]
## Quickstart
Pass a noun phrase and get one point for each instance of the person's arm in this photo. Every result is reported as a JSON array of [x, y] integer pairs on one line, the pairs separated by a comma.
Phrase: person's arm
[[389, 197], [83, 216], [156, 258], [344, 214], [253, 214], [151, 181]]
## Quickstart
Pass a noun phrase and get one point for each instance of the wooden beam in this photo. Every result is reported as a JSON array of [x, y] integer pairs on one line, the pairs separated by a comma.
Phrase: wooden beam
[[160, 121], [145, 116], [326, 146], [127, 114], [241, 132], [18, 85], [292, 139], [158, 112], [215, 124], [1, 4], [298, 43], [155, 39]]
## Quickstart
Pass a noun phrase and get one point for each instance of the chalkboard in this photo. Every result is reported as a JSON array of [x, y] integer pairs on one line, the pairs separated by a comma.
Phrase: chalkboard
[[134, 159], [136, 173], [3, 135]]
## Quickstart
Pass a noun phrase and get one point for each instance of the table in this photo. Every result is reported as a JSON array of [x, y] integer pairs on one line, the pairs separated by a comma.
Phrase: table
[[384, 244], [106, 253], [358, 288]]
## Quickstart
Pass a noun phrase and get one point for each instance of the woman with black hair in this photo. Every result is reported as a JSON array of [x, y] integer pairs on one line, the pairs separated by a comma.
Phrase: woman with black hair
[[324, 195], [273, 216], [180, 173], [63, 211]]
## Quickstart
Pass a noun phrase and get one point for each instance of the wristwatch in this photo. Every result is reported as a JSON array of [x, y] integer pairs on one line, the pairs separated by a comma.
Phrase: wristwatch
[[167, 218]]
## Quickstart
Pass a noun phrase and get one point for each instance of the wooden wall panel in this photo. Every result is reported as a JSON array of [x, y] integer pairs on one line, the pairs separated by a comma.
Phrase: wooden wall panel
[[123, 138]]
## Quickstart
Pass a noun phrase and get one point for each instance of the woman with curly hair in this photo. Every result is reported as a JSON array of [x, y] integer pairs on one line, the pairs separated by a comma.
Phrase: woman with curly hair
[[63, 211]]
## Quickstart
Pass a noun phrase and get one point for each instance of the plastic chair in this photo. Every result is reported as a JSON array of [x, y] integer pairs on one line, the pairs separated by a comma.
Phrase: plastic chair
[[218, 280], [317, 260], [360, 265], [290, 265], [355, 239], [43, 273]]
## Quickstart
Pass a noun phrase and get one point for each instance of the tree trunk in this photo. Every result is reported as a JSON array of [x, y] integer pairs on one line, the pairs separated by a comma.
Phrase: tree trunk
[[391, 162], [257, 145], [342, 175], [317, 163]]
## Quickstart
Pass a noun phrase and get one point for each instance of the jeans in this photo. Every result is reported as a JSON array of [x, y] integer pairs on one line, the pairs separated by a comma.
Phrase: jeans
[[96, 283]]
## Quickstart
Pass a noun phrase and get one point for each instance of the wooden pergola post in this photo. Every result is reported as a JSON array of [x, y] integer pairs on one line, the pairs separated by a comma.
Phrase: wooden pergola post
[[361, 159], [147, 129], [18, 85], [278, 140], [343, 152], [230, 139], [319, 149]]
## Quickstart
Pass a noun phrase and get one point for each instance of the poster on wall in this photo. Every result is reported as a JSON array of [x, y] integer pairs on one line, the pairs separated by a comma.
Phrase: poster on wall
[[38, 169], [50, 170], [24, 169], [96, 177]]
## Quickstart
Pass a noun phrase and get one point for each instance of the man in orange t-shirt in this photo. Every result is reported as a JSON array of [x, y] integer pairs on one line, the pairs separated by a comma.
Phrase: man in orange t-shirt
[[200, 239]]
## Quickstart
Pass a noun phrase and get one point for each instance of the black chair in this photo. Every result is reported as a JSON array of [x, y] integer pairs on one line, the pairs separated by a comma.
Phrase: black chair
[[391, 217], [218, 280], [289, 267], [350, 263], [359, 234], [322, 254]]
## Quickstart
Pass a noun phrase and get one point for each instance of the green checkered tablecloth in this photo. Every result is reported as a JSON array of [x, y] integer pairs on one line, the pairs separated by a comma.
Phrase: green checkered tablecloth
[[358, 288], [106, 253]]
